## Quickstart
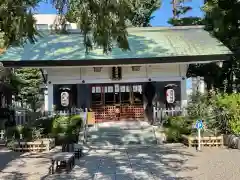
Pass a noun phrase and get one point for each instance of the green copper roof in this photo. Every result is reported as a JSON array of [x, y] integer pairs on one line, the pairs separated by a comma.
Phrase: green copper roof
[[144, 43]]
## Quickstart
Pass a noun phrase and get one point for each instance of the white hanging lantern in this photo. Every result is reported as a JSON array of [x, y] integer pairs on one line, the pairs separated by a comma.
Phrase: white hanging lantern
[[64, 99], [170, 95]]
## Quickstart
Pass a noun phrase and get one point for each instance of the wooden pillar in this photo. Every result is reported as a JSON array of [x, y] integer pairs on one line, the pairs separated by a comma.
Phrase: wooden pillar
[[50, 97]]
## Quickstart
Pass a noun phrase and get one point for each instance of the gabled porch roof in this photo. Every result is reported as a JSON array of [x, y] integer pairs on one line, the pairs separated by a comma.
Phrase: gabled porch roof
[[148, 45]]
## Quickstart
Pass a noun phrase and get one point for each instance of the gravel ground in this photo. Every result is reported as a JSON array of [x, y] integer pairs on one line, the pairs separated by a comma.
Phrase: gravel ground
[[213, 164], [166, 162]]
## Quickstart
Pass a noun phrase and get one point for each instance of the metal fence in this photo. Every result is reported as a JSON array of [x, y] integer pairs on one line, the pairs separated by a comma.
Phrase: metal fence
[[161, 114]]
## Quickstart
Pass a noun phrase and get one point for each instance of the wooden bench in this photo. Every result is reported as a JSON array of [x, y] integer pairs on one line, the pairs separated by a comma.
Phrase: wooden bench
[[63, 160], [78, 150]]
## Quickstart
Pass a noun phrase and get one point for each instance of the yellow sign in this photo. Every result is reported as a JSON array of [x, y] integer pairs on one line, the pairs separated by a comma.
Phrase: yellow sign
[[90, 118]]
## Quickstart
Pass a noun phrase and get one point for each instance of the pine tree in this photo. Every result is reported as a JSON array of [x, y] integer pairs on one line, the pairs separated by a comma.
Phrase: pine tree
[[223, 21], [17, 22], [103, 23], [179, 10], [30, 92]]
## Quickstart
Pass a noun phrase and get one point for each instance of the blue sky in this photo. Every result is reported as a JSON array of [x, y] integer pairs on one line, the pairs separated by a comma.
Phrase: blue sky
[[161, 15]]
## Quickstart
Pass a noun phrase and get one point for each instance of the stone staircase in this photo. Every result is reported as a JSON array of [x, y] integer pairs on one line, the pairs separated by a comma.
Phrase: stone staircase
[[118, 135]]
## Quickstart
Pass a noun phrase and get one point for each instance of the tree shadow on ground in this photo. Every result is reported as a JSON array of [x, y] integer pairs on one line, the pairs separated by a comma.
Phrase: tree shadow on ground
[[7, 157], [134, 162], [14, 175], [22, 166], [151, 163]]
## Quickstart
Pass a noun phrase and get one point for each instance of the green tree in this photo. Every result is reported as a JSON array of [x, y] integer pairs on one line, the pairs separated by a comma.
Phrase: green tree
[[223, 21], [186, 21], [11, 80], [141, 14], [30, 92], [17, 22], [214, 76], [179, 10], [103, 23]]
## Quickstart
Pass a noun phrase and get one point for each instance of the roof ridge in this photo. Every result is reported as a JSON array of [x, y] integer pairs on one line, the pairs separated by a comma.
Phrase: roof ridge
[[134, 29], [166, 28]]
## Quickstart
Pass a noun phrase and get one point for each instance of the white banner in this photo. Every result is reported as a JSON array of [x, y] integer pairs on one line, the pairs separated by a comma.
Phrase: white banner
[[122, 88], [116, 87], [98, 89], [110, 89], [127, 89], [93, 89], [135, 88], [105, 89]]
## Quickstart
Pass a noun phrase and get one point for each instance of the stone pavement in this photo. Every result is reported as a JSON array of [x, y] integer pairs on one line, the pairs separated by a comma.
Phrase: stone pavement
[[126, 164], [150, 162], [122, 133], [162, 162]]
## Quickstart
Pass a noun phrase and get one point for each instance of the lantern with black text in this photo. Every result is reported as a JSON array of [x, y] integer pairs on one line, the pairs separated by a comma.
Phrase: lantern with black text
[[64, 99], [170, 96]]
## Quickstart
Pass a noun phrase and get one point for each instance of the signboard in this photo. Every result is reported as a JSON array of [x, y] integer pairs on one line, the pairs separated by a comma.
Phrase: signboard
[[64, 99], [199, 124], [170, 95]]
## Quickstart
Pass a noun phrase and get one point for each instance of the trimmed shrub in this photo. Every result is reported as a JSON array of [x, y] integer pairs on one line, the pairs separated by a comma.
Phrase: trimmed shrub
[[12, 132], [66, 128], [228, 113], [45, 124], [175, 127]]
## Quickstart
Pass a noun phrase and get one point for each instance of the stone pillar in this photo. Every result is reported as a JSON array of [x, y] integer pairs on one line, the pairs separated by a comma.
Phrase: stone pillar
[[201, 85], [50, 97], [184, 92]]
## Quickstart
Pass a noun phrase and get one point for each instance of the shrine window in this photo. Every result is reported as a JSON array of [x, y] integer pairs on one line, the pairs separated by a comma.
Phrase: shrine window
[[125, 94], [109, 95], [137, 94], [96, 95]]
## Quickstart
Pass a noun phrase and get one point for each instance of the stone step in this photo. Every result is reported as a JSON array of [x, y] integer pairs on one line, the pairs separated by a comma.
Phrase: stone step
[[141, 140]]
